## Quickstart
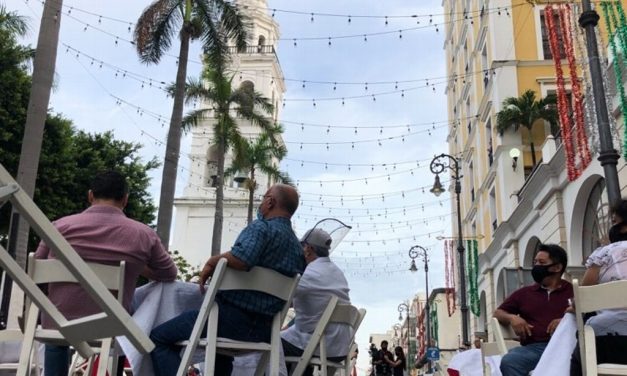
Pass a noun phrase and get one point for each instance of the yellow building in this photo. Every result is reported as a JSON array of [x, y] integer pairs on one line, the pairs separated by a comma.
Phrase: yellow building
[[497, 49]]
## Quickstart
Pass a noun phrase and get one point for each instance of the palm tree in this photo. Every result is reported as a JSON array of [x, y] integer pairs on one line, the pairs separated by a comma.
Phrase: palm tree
[[216, 88], [12, 23], [215, 23], [37, 110], [259, 155], [526, 111]]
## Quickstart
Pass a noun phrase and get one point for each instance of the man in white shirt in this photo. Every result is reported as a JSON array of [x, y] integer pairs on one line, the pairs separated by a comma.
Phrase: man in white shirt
[[321, 280]]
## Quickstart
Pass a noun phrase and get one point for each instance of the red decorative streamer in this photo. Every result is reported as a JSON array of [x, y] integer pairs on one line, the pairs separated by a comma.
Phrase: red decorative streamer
[[562, 100], [449, 275], [582, 139]]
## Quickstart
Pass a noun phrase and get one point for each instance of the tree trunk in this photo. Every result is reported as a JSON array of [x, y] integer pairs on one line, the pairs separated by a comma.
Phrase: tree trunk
[[251, 194], [533, 150], [173, 146], [216, 240], [41, 86]]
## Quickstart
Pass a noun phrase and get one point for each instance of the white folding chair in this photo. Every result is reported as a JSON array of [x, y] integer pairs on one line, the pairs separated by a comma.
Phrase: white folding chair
[[488, 349], [112, 321], [257, 279], [504, 337], [610, 295], [337, 314], [14, 337], [53, 271]]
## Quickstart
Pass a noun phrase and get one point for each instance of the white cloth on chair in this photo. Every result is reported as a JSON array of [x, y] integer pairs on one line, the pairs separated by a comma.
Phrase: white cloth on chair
[[154, 304], [555, 360]]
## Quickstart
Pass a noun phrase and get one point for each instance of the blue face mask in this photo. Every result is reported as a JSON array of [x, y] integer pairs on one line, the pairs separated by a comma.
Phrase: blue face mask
[[259, 215]]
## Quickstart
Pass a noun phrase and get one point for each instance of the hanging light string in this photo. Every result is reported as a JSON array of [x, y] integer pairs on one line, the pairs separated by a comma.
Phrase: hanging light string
[[465, 16], [329, 39], [381, 127], [162, 84], [356, 197], [428, 81], [161, 118], [309, 14], [119, 72]]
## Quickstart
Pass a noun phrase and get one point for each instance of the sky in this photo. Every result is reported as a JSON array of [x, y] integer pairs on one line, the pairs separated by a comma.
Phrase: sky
[[363, 118]]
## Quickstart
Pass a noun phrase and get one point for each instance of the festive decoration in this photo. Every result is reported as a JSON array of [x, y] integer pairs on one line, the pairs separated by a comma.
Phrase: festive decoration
[[562, 100], [449, 275], [614, 30], [472, 263], [577, 96]]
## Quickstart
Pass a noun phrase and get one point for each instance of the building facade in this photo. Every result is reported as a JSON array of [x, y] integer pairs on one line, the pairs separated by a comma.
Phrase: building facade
[[497, 49], [258, 66]]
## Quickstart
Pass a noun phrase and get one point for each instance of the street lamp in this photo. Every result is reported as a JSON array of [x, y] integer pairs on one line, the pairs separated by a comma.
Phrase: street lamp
[[415, 252], [397, 330], [403, 307], [438, 165], [608, 156]]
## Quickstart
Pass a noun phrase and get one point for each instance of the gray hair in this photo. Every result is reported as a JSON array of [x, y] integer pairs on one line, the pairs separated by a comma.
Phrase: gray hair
[[320, 251]]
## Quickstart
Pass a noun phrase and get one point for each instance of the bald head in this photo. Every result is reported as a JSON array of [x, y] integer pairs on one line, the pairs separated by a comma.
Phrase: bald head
[[286, 197]]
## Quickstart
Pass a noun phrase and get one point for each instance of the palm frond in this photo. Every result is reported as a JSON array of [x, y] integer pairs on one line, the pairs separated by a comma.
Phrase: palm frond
[[193, 118], [13, 23], [155, 28]]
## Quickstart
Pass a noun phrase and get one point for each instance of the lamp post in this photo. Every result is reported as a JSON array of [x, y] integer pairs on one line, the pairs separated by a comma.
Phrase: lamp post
[[608, 156], [397, 329], [403, 307], [438, 165], [414, 253]]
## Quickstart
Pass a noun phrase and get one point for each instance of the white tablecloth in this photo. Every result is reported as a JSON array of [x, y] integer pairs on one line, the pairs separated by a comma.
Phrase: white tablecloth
[[468, 363], [555, 360], [154, 304]]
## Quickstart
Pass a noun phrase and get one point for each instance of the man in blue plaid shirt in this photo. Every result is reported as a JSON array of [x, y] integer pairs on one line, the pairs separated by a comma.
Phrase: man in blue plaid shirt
[[268, 242]]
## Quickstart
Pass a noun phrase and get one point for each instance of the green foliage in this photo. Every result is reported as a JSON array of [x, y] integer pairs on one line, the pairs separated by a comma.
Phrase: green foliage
[[526, 111], [260, 154], [69, 158], [186, 272]]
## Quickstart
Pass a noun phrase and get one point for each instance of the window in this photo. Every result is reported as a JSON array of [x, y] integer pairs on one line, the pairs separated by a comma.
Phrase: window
[[546, 48]]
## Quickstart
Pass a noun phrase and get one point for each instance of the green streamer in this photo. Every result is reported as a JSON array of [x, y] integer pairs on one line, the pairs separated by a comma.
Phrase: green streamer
[[472, 258], [434, 324], [617, 64], [622, 26]]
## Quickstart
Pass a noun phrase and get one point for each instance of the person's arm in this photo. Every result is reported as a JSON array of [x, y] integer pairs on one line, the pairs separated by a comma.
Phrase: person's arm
[[591, 276], [520, 325], [210, 266], [160, 265]]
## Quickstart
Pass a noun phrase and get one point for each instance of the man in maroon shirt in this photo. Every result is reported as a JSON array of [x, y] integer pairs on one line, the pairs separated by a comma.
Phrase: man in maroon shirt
[[535, 311], [103, 234]]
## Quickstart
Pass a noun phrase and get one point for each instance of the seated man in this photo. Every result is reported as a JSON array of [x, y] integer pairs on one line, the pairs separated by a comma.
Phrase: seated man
[[535, 311], [321, 280], [268, 242], [103, 234]]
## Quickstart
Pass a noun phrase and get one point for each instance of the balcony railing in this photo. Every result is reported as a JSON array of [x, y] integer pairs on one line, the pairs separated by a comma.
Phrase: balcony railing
[[260, 49]]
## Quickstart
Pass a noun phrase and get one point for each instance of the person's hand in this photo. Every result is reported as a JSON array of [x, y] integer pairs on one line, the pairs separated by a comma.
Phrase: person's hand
[[520, 326], [207, 271], [552, 326]]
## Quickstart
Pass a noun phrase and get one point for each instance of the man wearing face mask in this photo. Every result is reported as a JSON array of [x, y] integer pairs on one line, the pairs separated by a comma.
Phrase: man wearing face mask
[[268, 242], [535, 311]]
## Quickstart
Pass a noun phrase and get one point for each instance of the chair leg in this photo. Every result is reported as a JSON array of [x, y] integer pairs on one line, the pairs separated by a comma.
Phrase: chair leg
[[263, 364], [103, 357]]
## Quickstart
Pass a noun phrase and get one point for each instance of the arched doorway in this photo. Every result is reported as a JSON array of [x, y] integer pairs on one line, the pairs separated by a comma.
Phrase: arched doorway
[[596, 220]]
